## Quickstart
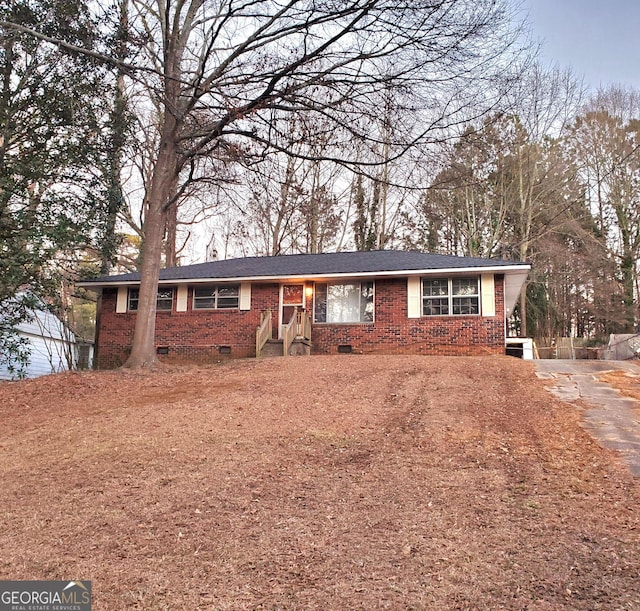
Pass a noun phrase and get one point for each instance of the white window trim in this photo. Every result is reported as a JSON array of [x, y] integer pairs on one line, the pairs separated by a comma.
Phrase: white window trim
[[129, 308], [173, 295], [160, 288], [346, 281], [450, 296], [215, 308]]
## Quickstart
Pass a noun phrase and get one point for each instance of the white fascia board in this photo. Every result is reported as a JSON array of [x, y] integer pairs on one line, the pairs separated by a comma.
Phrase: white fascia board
[[502, 269], [98, 286], [91, 286]]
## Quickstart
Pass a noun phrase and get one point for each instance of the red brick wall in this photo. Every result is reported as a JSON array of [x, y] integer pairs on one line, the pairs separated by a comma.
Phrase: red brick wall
[[394, 333], [198, 335], [191, 336]]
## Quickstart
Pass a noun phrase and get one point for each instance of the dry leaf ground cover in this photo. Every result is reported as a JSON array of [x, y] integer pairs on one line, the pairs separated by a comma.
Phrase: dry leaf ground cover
[[628, 383], [350, 482]]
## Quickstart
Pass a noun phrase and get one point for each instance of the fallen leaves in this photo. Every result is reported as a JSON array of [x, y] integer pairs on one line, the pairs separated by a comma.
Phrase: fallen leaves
[[351, 482]]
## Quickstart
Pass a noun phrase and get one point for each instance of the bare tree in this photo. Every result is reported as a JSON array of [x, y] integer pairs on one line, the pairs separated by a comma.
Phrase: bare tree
[[506, 186], [221, 73], [465, 210], [545, 101], [606, 144]]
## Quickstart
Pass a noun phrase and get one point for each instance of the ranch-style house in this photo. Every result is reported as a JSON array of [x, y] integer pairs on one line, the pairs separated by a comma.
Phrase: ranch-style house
[[361, 302]]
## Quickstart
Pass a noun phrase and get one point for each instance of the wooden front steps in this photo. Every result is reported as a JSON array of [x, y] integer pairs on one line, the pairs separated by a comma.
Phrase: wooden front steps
[[296, 336], [275, 347]]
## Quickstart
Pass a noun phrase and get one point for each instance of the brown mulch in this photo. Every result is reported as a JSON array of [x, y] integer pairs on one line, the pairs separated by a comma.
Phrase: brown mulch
[[627, 382], [333, 483]]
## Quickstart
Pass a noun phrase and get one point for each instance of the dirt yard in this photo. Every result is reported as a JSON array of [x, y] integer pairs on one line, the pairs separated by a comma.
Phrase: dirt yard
[[333, 483]]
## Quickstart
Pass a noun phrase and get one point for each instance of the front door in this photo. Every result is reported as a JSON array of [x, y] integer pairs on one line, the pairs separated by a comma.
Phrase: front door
[[291, 296]]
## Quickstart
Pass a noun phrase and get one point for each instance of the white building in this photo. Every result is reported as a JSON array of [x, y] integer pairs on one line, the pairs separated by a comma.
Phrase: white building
[[53, 347]]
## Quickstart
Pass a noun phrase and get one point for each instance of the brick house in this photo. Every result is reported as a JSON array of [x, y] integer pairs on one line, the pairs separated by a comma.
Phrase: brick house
[[361, 302]]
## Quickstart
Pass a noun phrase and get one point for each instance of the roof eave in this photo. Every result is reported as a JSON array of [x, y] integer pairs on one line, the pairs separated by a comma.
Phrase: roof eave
[[512, 287], [92, 285]]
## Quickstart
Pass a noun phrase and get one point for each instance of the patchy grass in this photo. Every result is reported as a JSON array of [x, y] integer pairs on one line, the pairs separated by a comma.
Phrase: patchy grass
[[350, 482]]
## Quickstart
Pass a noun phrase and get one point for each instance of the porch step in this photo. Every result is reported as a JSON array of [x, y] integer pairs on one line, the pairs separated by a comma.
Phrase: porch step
[[274, 347], [300, 347]]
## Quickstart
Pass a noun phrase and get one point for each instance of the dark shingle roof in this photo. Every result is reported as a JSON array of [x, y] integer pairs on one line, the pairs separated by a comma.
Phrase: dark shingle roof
[[325, 264]]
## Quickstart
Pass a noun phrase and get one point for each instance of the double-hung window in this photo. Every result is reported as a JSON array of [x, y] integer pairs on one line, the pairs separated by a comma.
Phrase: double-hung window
[[164, 301], [219, 297], [337, 302], [447, 296]]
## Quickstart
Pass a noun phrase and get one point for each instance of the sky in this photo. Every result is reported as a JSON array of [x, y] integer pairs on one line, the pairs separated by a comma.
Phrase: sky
[[598, 39]]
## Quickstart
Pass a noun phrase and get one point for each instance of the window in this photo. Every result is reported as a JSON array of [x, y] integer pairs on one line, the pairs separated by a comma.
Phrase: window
[[435, 297], [164, 301], [343, 303], [444, 296], [465, 296], [224, 297]]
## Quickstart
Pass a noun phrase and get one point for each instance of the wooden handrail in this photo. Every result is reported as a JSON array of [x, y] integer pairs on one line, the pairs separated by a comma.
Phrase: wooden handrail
[[304, 325], [263, 332], [289, 332]]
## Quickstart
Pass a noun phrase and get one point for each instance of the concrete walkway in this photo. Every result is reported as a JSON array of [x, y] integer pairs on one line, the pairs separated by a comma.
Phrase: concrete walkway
[[614, 420]]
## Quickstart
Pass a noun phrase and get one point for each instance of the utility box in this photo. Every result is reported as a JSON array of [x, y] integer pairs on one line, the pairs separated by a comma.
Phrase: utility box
[[520, 347]]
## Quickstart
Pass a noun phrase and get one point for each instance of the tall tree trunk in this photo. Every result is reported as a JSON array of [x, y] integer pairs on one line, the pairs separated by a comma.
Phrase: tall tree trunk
[[315, 199], [171, 234], [143, 352]]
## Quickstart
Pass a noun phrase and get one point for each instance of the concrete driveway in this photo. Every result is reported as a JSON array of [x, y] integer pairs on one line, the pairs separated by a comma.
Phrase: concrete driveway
[[614, 420]]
